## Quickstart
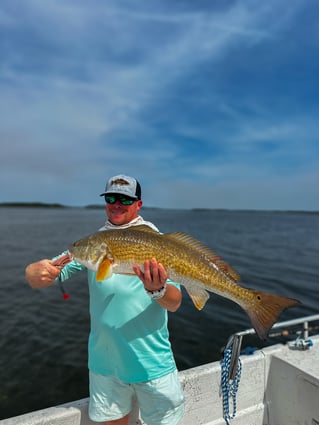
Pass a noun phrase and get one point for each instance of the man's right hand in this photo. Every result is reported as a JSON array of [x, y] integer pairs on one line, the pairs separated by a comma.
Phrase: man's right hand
[[41, 274]]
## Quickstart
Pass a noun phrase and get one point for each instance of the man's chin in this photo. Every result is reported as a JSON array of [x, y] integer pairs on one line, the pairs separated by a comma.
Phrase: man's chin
[[118, 218]]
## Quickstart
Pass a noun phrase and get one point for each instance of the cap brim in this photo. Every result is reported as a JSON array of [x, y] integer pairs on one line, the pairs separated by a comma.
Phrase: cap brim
[[119, 193]]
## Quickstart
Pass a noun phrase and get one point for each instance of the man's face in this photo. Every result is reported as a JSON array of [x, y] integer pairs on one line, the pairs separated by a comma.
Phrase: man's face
[[119, 214]]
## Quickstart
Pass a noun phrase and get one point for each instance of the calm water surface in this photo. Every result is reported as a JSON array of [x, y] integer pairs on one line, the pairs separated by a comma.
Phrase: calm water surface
[[43, 355]]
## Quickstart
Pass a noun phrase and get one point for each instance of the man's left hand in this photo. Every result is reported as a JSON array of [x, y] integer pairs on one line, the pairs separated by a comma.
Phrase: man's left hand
[[154, 275]]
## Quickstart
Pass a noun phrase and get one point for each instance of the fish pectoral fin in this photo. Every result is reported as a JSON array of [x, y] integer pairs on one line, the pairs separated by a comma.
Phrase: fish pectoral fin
[[199, 297], [105, 270]]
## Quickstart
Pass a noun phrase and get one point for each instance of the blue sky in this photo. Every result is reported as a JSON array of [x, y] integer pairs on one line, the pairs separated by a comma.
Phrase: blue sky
[[210, 104]]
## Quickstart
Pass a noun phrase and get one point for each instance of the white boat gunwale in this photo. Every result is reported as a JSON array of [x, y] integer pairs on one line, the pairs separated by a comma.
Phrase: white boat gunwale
[[279, 385]]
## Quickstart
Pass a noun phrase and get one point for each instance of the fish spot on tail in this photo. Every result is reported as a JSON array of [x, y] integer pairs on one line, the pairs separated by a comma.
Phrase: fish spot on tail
[[266, 311]]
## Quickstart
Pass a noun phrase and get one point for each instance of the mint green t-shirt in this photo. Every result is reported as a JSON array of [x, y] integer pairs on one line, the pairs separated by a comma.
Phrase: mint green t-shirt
[[129, 337]]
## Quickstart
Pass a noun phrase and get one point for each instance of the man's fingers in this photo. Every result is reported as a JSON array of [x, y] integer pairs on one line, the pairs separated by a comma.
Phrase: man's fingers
[[153, 276], [162, 273]]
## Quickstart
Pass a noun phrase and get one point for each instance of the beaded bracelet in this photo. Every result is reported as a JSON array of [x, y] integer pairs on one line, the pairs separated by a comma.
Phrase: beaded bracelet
[[155, 295]]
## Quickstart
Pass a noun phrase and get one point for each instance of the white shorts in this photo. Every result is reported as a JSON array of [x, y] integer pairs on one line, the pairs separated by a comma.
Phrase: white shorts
[[161, 401]]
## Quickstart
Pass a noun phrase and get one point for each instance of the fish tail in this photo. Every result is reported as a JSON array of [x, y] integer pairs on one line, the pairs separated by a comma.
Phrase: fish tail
[[265, 310]]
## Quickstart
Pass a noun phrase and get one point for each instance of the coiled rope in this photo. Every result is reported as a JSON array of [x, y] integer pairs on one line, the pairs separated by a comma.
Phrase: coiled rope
[[230, 378]]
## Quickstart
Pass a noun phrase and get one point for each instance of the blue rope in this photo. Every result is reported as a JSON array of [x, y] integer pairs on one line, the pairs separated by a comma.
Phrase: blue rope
[[229, 387]]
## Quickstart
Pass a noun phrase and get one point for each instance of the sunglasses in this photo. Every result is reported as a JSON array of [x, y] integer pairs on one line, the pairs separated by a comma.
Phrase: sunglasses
[[124, 200]]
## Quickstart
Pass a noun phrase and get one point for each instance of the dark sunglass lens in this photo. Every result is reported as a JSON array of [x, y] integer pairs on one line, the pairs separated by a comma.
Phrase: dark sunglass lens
[[126, 201], [110, 199]]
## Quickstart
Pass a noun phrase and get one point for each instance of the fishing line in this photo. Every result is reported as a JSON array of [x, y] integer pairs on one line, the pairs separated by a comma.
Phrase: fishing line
[[65, 294], [60, 262]]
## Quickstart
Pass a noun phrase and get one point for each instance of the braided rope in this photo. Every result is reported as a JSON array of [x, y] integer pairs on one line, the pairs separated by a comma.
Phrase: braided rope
[[229, 387]]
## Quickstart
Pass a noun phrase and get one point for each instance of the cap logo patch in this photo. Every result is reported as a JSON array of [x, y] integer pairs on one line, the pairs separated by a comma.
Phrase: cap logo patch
[[120, 182]]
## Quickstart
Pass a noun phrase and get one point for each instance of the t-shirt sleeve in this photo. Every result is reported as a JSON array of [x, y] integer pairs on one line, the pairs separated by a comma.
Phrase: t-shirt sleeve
[[69, 269]]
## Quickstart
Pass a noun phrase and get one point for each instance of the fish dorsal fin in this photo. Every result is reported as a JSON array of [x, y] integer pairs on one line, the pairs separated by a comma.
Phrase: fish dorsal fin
[[205, 251]]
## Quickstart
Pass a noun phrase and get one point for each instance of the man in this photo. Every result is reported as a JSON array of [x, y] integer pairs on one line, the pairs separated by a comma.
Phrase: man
[[129, 350]]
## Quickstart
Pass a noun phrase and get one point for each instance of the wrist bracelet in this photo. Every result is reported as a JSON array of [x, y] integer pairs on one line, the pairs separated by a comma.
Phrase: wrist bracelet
[[157, 294]]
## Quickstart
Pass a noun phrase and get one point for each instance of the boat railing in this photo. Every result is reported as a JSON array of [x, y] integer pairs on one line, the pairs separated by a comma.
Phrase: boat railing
[[231, 364], [286, 324], [301, 342]]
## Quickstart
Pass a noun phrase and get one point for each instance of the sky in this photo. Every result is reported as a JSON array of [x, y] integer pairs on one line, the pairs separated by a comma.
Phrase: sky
[[208, 103]]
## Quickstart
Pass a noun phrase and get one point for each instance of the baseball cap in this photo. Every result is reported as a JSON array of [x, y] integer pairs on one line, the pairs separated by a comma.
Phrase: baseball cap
[[123, 185]]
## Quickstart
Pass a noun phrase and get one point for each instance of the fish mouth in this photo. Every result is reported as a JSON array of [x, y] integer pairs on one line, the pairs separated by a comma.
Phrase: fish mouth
[[63, 260], [69, 254]]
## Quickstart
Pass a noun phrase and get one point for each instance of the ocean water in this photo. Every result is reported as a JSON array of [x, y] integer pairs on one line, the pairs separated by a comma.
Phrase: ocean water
[[43, 355]]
